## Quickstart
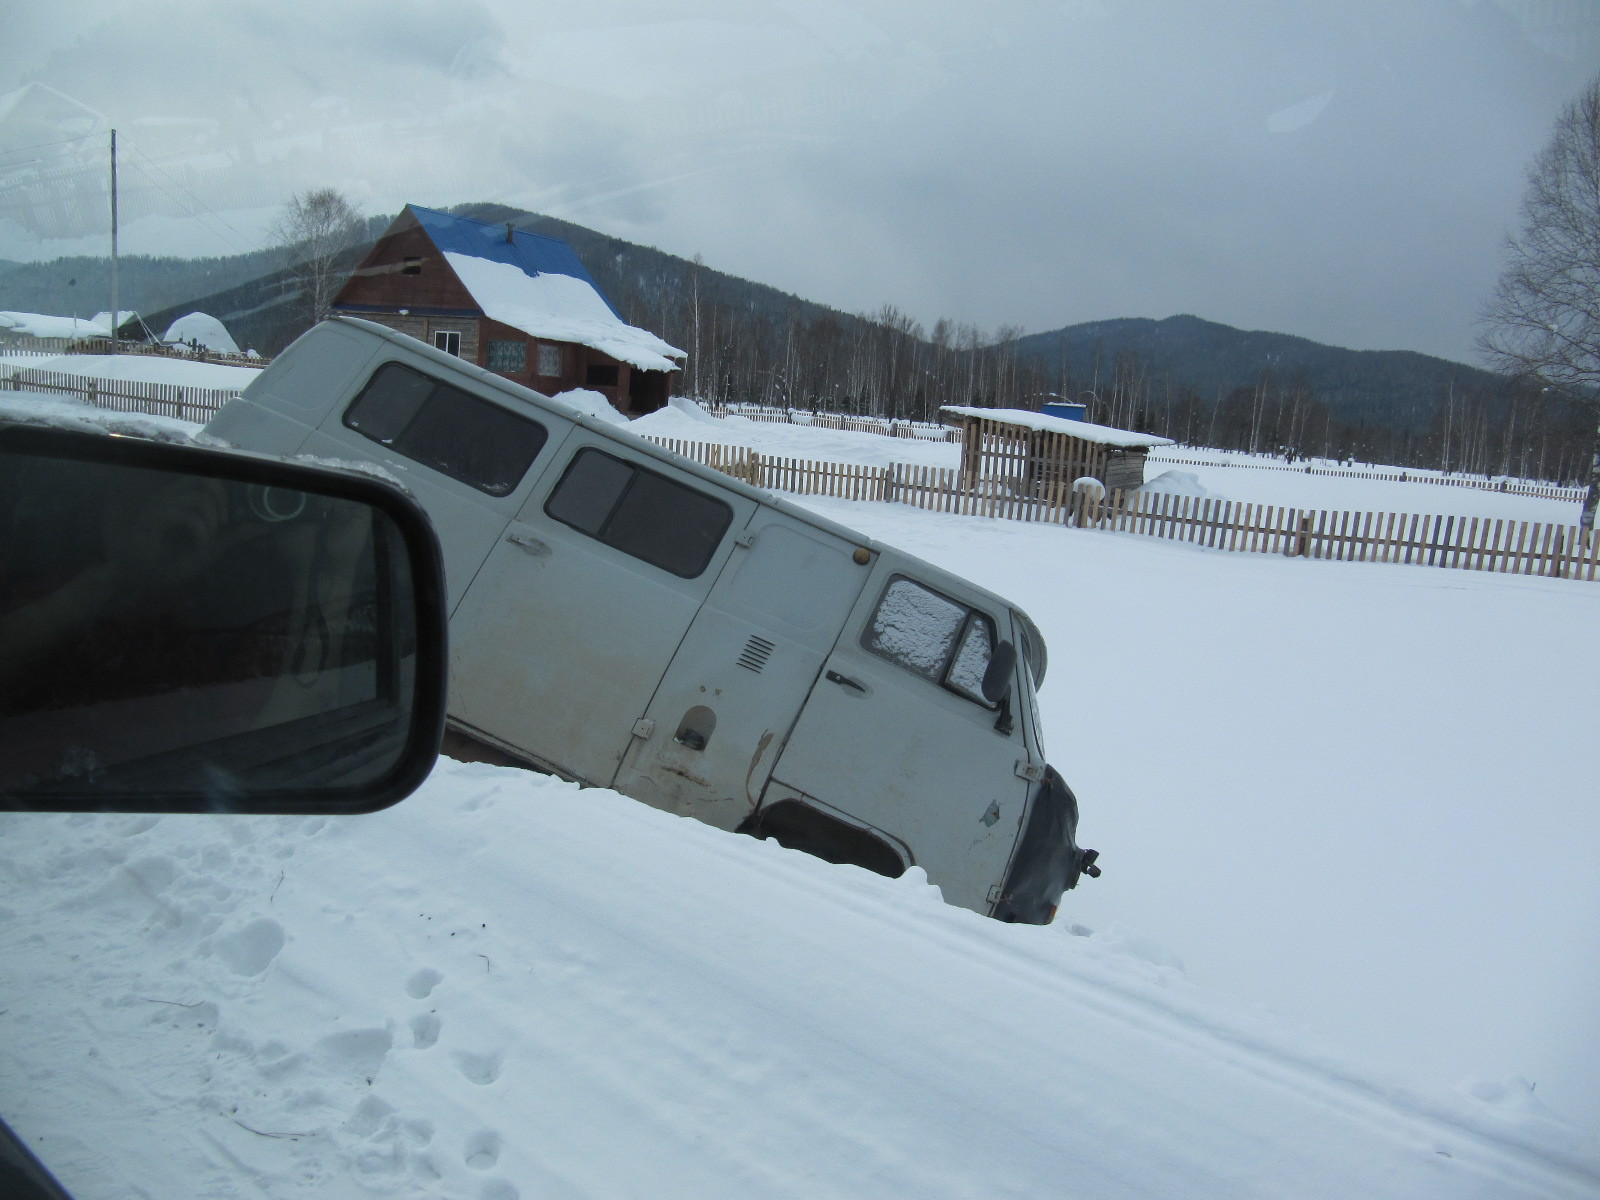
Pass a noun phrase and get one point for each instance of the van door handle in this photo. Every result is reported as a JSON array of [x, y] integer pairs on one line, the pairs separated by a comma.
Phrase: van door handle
[[529, 543], [845, 681]]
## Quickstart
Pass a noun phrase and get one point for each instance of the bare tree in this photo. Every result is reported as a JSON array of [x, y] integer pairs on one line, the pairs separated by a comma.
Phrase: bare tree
[[1544, 321], [312, 229]]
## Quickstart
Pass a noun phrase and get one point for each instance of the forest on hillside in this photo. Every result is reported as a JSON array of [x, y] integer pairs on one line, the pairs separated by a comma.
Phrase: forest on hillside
[[1199, 383]]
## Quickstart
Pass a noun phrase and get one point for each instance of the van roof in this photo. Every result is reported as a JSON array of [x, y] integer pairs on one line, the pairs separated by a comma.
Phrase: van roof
[[516, 392]]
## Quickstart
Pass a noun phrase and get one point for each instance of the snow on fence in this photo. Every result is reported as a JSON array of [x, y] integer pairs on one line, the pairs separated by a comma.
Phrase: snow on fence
[[161, 399], [1467, 543]]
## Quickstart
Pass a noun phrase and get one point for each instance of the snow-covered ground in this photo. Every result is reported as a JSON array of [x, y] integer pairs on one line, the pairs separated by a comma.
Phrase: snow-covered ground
[[1258, 479], [1224, 475], [689, 423], [1344, 944], [141, 368]]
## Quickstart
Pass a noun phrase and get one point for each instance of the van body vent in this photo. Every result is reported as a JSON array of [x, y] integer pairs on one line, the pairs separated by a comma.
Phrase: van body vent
[[756, 652]]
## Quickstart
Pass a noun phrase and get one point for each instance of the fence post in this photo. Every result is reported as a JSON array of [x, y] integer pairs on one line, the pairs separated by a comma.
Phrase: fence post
[[1301, 547], [891, 482]]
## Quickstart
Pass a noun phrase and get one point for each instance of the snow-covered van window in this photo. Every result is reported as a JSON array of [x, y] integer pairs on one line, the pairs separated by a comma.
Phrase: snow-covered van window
[[935, 637], [640, 513], [443, 427], [550, 364]]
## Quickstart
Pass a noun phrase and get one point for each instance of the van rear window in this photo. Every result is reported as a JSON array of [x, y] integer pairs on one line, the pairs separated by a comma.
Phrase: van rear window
[[933, 636], [454, 432], [640, 512]]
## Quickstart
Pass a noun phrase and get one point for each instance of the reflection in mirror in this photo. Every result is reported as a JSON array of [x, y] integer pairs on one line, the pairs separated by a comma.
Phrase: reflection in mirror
[[179, 633]]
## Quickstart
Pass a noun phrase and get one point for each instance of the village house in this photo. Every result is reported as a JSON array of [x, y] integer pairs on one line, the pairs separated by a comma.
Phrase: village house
[[516, 303]]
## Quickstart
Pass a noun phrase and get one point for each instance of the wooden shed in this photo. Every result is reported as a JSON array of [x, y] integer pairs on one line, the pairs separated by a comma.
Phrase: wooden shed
[[1028, 452], [517, 303]]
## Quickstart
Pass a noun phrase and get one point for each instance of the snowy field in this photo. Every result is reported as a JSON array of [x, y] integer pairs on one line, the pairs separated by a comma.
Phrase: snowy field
[[139, 368], [1344, 943], [1227, 479]]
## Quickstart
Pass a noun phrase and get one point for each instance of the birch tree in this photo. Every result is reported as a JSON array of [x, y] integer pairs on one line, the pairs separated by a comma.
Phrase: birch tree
[[313, 229], [1544, 321]]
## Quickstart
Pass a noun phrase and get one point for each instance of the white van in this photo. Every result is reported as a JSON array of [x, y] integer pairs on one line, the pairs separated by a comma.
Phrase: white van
[[623, 617]]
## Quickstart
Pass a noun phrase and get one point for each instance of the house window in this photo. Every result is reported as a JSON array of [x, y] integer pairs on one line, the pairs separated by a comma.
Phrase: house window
[[449, 341], [550, 361], [509, 358], [413, 266], [931, 635], [445, 428], [639, 512], [601, 375]]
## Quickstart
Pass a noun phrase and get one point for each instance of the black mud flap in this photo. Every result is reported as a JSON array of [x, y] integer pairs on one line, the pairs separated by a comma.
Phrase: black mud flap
[[1048, 862]]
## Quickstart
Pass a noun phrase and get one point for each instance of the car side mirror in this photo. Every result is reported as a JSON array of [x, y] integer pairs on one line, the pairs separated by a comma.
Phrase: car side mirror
[[997, 676], [186, 629]]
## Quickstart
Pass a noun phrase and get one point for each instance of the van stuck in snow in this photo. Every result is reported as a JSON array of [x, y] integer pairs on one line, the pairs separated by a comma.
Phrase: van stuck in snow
[[625, 618]]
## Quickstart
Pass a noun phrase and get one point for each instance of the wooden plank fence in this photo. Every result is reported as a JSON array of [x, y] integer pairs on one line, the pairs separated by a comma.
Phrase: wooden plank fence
[[160, 399], [1546, 491], [941, 433], [1419, 539], [883, 426]]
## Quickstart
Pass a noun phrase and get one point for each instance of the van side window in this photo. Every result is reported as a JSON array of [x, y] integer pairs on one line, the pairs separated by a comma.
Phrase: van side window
[[445, 428], [639, 512], [931, 635]]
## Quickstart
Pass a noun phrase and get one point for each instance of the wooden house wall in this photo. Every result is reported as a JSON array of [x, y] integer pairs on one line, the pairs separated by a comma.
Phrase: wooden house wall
[[381, 281]]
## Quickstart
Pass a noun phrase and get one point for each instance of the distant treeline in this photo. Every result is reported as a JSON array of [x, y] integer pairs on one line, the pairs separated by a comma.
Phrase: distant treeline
[[1192, 380]]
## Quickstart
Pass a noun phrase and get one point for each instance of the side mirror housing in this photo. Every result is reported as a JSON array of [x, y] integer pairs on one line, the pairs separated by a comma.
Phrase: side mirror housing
[[186, 629], [997, 677]]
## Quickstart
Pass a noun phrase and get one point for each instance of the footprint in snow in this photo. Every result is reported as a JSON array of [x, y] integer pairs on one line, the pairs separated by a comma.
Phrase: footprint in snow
[[481, 1069], [421, 984], [482, 1150], [250, 950], [424, 1031]]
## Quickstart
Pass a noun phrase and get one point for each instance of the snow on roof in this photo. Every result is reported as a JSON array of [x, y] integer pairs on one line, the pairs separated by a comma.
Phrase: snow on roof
[[1105, 435], [42, 325], [203, 328], [560, 307], [538, 285]]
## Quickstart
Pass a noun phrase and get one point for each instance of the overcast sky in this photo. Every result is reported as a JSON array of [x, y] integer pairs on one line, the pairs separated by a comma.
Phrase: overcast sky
[[1340, 169]]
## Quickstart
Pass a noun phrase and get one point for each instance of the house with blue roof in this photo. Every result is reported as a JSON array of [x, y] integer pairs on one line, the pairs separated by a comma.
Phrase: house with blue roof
[[517, 303]]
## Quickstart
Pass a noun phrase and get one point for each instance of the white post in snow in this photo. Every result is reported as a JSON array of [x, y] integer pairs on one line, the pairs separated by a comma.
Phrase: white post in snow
[[114, 313]]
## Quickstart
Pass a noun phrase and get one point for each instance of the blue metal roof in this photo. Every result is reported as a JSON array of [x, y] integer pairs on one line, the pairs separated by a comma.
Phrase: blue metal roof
[[531, 253]]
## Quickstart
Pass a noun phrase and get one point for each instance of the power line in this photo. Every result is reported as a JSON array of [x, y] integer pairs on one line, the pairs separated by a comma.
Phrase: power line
[[82, 137], [198, 206]]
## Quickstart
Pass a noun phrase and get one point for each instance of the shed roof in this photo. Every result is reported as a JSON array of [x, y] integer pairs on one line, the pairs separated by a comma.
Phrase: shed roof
[[1086, 431], [538, 285]]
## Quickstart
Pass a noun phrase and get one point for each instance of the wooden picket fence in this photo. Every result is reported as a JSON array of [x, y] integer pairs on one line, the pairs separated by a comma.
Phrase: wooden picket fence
[[921, 430], [161, 399], [1420, 539], [941, 433], [1547, 491]]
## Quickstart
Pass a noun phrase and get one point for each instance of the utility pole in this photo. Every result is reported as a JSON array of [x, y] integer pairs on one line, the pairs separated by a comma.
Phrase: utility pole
[[115, 315]]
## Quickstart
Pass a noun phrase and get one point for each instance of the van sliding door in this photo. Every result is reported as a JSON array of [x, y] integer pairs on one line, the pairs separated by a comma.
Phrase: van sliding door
[[720, 717], [567, 629]]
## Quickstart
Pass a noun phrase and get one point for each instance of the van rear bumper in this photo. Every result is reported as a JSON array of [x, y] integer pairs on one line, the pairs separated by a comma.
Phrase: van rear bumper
[[1048, 860]]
